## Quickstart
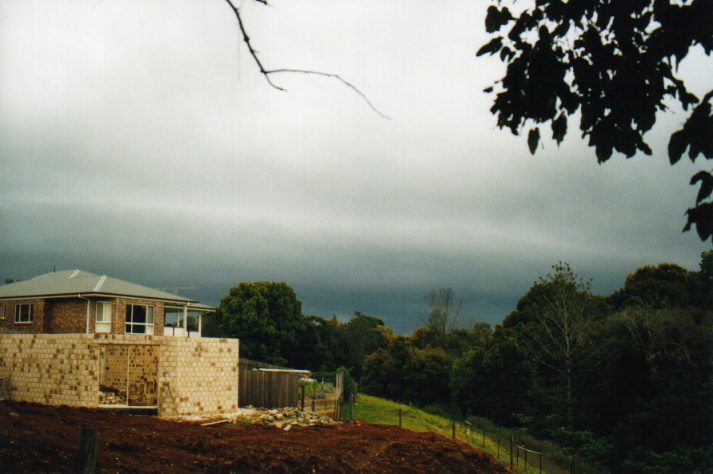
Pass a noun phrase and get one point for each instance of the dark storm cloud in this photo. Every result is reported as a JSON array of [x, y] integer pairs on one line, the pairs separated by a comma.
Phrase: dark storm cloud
[[139, 141]]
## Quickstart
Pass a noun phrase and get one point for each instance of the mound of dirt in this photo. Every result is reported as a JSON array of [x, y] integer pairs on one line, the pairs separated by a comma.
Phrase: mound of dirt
[[43, 438]]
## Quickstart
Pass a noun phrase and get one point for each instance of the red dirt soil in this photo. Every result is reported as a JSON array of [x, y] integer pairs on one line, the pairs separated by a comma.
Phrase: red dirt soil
[[38, 438]]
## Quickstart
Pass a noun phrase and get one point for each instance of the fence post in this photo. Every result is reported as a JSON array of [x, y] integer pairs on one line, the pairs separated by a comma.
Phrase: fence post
[[453, 427], [483, 439], [88, 451], [540, 462], [574, 464], [313, 407], [399, 417], [303, 397], [498, 438], [351, 402], [511, 467], [525, 458], [517, 455]]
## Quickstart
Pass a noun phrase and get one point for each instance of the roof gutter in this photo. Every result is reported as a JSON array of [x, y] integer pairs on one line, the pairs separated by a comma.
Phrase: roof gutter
[[95, 295]]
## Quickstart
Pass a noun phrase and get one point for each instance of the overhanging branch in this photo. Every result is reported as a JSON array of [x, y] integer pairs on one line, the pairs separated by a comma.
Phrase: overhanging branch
[[267, 72]]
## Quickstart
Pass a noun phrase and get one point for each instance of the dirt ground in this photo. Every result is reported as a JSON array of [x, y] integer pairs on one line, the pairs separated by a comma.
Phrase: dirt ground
[[38, 438]]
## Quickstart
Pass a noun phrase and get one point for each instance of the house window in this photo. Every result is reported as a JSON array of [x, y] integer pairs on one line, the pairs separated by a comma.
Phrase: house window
[[103, 317], [2, 311], [139, 319], [23, 313]]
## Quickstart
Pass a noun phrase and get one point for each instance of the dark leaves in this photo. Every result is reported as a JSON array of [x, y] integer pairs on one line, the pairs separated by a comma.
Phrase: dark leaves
[[676, 146], [533, 138], [706, 180], [702, 217], [559, 128], [496, 18], [492, 47]]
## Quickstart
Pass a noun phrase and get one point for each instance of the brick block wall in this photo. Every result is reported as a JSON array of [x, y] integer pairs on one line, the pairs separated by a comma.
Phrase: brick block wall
[[59, 369], [198, 376], [182, 376]]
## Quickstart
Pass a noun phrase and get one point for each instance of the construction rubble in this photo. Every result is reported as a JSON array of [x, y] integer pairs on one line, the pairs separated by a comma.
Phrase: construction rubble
[[282, 418]]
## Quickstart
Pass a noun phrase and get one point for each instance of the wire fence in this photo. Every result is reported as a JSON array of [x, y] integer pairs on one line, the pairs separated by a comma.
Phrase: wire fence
[[518, 456]]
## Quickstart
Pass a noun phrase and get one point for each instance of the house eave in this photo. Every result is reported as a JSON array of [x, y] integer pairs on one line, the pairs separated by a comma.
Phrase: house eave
[[92, 294]]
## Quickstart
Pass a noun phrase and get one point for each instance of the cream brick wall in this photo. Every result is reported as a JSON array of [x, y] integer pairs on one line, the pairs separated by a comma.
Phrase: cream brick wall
[[54, 369], [198, 376], [195, 376]]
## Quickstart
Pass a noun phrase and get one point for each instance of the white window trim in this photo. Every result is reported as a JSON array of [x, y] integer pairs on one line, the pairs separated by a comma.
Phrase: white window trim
[[2, 311], [149, 327], [103, 323], [18, 310]]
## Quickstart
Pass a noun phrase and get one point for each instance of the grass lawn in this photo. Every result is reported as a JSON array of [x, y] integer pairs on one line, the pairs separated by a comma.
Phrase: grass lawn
[[379, 411]]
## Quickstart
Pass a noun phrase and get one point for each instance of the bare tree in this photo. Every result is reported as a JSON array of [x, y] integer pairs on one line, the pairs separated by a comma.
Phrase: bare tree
[[268, 73], [444, 310]]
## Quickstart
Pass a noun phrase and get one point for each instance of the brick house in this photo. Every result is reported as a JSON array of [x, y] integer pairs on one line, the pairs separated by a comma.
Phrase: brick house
[[74, 301], [80, 339]]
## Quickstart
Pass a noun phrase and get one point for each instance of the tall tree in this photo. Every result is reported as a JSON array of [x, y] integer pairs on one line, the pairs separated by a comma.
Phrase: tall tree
[[560, 310], [267, 318], [615, 64]]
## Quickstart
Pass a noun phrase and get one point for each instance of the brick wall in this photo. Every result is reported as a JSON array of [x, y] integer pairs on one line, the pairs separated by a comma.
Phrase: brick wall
[[69, 315], [38, 324], [60, 369], [196, 376]]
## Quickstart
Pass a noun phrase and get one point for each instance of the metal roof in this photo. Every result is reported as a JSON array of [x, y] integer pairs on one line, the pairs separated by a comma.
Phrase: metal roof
[[77, 282]]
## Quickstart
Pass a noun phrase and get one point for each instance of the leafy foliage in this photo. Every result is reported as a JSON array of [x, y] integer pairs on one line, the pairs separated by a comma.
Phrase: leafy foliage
[[614, 63]]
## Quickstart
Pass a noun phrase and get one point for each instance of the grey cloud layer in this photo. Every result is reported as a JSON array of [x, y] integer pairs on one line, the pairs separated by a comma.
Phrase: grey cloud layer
[[140, 142]]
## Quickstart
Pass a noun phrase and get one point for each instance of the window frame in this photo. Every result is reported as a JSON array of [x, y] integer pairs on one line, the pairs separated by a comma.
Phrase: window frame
[[103, 323], [3, 311], [18, 313], [130, 324]]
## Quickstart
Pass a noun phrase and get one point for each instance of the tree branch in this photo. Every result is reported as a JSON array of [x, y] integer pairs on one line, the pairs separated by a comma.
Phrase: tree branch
[[266, 72]]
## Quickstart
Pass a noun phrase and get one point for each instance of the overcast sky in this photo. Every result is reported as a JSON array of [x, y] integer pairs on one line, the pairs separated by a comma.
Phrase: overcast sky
[[138, 140]]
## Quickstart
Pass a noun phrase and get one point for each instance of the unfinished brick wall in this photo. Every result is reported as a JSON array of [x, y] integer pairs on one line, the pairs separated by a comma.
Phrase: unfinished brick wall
[[60, 369], [182, 376], [198, 376]]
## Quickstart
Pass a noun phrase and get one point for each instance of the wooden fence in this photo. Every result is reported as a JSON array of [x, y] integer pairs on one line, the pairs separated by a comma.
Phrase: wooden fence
[[266, 389]]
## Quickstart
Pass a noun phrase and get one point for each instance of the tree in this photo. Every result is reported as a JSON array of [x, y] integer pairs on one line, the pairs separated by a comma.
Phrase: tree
[[444, 311], [559, 328], [267, 318], [614, 63]]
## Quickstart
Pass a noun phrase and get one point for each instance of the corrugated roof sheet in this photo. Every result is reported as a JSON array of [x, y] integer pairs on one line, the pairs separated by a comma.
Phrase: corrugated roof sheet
[[73, 282]]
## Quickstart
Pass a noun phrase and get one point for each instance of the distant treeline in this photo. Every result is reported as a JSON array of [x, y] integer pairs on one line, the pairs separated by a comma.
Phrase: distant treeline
[[624, 379]]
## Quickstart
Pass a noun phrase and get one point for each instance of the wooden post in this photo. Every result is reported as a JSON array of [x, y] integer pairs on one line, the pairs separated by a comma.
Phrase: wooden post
[[88, 451], [498, 438], [511, 467], [313, 387], [525, 459], [303, 397], [540, 463], [453, 427], [574, 464], [483, 439], [351, 402], [399, 418]]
